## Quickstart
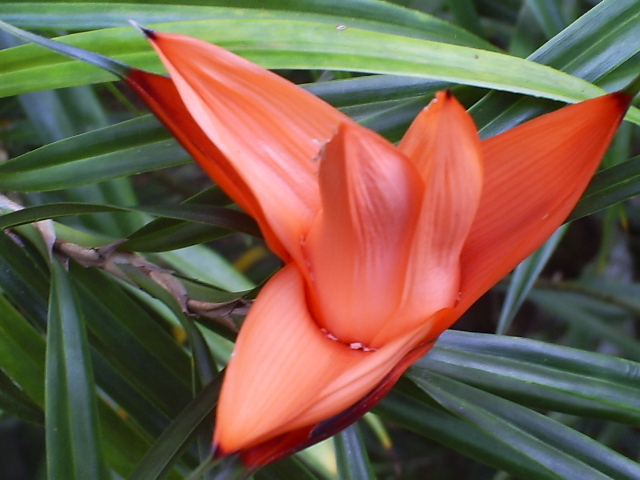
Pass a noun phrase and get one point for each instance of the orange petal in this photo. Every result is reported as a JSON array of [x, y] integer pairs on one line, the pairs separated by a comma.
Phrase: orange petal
[[534, 176], [294, 441], [271, 129], [443, 144], [162, 97], [357, 249], [286, 374]]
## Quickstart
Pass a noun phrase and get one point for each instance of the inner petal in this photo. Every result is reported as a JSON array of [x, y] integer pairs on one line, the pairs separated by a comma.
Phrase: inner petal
[[357, 249], [443, 144]]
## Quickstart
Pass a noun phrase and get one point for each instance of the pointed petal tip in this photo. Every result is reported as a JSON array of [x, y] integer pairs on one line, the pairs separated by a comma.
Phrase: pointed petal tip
[[147, 32]]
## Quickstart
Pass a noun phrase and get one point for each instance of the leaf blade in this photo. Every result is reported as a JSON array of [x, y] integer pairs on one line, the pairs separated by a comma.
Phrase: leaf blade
[[72, 437]]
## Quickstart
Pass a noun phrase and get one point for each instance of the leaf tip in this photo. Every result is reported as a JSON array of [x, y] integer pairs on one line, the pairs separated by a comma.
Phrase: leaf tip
[[147, 32]]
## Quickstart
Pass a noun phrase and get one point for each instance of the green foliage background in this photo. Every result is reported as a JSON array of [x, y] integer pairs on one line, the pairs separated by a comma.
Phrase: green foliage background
[[110, 349]]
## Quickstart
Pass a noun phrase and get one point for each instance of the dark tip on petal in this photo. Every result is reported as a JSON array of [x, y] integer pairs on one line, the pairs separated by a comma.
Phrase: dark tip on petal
[[624, 98], [147, 32], [217, 452], [448, 94]]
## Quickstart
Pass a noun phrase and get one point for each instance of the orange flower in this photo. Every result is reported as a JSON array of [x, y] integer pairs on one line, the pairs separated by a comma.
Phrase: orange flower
[[385, 247]]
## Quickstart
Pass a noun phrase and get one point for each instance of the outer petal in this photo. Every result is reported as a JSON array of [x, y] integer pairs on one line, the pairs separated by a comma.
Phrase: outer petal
[[534, 176], [162, 97], [443, 144], [286, 374], [294, 441], [270, 128], [358, 247]]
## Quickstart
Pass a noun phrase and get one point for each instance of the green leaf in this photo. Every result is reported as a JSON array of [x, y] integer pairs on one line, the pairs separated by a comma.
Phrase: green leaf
[[176, 236], [164, 234], [539, 374], [432, 421], [129, 365], [584, 49], [608, 187], [224, 217], [588, 315], [14, 401], [523, 278], [550, 443], [534, 351], [74, 448], [21, 357], [373, 88], [168, 447], [548, 15], [94, 157], [465, 14], [210, 267], [300, 44], [284, 469], [614, 292], [26, 366], [139, 348], [204, 365], [24, 281], [352, 458], [101, 61], [366, 14]]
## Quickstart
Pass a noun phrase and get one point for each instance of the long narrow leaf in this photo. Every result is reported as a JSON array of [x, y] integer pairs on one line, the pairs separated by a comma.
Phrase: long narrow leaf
[[167, 448], [22, 360], [213, 215], [579, 312], [139, 348], [610, 186], [559, 381], [433, 422], [554, 356], [583, 49], [284, 470], [367, 14], [94, 157], [204, 366], [523, 278], [73, 440], [297, 44], [572, 454], [353, 461]]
